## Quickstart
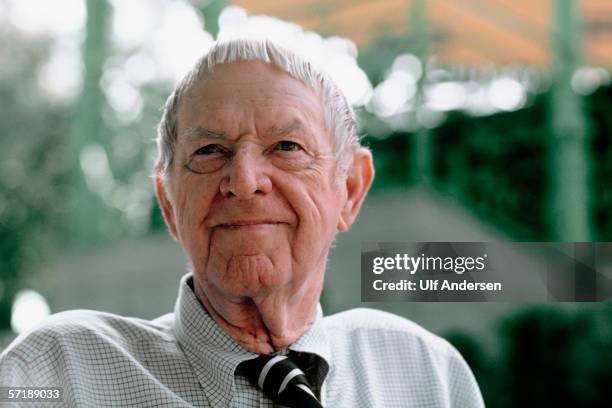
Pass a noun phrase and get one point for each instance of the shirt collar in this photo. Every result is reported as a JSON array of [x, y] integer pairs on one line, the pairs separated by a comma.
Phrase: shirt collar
[[214, 355]]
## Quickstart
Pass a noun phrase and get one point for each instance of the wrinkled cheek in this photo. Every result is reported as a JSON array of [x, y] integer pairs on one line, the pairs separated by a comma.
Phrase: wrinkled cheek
[[193, 236], [197, 255], [195, 243], [315, 234]]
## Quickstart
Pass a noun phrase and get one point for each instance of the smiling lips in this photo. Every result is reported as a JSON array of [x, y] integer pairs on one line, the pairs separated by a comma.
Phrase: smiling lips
[[248, 224]]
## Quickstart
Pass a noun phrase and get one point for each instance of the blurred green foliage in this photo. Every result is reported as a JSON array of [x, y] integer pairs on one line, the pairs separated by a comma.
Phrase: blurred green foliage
[[33, 170], [375, 58], [498, 165], [393, 169], [38, 193], [547, 357], [600, 110]]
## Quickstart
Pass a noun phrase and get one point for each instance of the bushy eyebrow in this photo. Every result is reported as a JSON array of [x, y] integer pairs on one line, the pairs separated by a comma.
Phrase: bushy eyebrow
[[286, 128], [199, 132]]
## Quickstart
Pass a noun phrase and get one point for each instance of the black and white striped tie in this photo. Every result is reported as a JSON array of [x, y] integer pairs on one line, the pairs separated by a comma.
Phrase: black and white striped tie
[[283, 381]]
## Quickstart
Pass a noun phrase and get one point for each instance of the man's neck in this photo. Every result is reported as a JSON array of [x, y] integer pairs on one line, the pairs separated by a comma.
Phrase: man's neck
[[263, 325]]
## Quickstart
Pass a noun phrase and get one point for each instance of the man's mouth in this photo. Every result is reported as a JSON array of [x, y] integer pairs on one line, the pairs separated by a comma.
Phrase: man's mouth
[[248, 224]]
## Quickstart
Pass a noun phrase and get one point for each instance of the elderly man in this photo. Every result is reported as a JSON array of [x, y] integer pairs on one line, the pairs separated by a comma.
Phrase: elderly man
[[259, 167]]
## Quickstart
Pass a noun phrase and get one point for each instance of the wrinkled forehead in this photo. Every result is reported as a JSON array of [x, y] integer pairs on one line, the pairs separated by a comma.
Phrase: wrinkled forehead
[[231, 77], [254, 85]]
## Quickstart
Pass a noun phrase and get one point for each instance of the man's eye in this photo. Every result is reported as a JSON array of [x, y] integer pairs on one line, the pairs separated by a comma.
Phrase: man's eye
[[209, 149], [287, 146]]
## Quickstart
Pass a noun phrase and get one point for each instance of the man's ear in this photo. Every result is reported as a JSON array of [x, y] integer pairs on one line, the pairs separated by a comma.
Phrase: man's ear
[[165, 204], [358, 181]]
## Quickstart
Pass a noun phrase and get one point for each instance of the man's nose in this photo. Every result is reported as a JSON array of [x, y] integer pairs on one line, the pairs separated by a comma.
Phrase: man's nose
[[245, 175]]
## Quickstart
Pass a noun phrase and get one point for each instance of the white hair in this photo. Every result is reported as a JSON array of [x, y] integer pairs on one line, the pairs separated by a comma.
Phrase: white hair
[[339, 116]]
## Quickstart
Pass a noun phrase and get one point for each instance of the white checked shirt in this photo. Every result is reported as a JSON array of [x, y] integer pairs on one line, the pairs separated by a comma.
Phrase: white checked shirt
[[365, 358]]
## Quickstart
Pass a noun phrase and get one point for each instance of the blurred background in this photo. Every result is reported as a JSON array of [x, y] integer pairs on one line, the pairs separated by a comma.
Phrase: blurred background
[[490, 120]]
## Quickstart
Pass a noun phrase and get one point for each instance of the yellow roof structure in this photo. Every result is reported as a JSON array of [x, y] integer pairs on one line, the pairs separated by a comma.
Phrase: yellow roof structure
[[469, 32]]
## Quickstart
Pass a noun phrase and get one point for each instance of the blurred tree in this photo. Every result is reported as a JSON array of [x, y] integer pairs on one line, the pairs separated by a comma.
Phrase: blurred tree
[[599, 107], [392, 168], [33, 165], [591, 357], [210, 11], [538, 358], [550, 356], [89, 216], [485, 368], [496, 165], [112, 150], [419, 45], [537, 347], [570, 211], [46, 201], [376, 58], [131, 155]]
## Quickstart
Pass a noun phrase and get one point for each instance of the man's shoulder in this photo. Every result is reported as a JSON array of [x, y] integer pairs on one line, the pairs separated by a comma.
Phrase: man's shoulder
[[400, 359], [81, 328], [384, 326]]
